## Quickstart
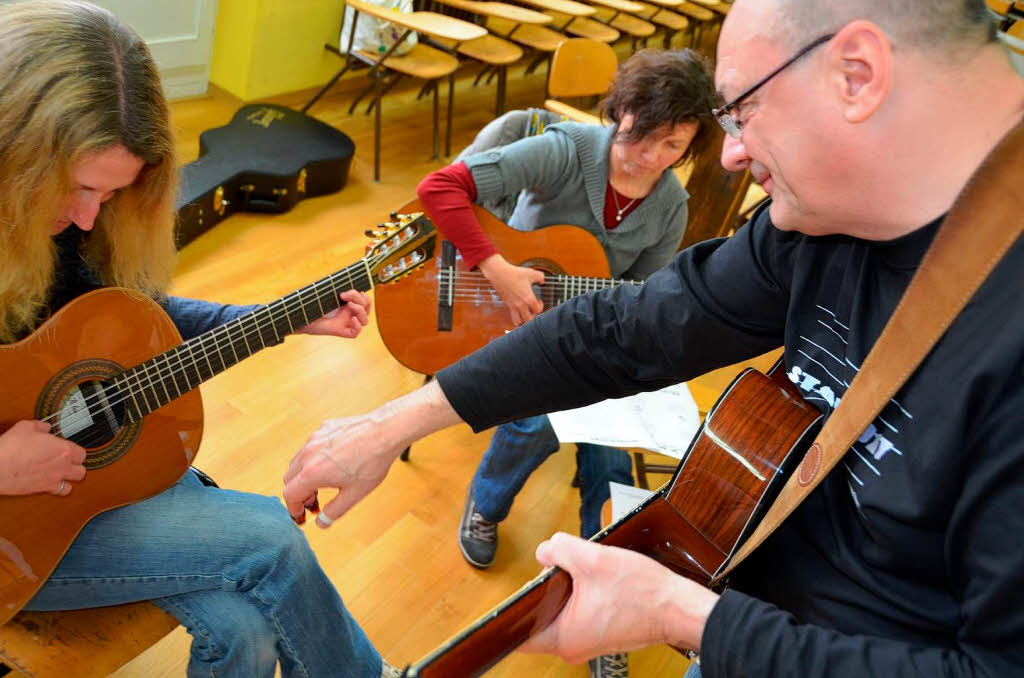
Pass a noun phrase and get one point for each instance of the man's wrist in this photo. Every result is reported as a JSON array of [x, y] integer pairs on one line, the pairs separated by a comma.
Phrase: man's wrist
[[687, 612]]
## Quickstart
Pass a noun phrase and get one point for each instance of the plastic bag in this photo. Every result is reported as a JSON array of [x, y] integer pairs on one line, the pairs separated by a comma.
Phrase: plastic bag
[[374, 35]]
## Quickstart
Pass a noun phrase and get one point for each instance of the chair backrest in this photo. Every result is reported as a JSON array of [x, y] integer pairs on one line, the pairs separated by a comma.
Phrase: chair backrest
[[582, 67]]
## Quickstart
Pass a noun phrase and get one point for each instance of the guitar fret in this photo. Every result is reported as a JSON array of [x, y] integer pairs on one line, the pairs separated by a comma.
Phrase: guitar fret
[[170, 373], [124, 387], [316, 296], [248, 348], [182, 370], [142, 390], [231, 343]]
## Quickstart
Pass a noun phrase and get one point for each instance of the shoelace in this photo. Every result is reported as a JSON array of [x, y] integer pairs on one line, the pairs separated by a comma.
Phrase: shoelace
[[614, 665], [482, 529]]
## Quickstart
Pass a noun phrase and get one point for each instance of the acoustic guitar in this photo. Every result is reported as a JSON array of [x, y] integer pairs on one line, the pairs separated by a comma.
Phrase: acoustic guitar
[[110, 372], [749, 443], [446, 311]]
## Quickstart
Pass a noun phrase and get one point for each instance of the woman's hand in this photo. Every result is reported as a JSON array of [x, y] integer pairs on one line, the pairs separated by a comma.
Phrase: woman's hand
[[347, 320], [32, 460], [514, 284]]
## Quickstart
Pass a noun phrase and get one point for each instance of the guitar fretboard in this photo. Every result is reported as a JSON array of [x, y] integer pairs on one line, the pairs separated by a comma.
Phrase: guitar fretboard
[[156, 382], [454, 285]]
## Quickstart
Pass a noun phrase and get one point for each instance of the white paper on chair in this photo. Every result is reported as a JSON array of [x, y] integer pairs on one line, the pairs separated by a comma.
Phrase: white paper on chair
[[662, 421], [625, 498]]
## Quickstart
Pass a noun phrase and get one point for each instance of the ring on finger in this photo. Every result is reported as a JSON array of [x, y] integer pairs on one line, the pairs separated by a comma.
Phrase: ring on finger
[[62, 486]]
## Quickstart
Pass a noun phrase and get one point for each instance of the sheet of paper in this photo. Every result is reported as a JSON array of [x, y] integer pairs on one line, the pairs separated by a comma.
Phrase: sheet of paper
[[662, 421], [625, 498]]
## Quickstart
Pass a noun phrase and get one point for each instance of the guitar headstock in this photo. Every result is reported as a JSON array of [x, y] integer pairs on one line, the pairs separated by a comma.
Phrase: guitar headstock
[[399, 246]]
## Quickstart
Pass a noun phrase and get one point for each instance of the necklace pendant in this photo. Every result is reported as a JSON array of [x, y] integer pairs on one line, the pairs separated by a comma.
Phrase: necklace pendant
[[618, 217]]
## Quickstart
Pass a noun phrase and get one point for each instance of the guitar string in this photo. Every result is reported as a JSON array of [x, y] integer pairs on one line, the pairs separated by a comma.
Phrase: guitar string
[[551, 281], [232, 342], [217, 335], [150, 378]]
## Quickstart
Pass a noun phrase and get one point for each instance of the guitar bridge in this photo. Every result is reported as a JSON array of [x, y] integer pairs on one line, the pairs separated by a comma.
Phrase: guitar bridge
[[446, 287]]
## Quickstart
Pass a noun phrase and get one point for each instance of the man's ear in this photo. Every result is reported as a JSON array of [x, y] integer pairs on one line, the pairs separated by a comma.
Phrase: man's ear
[[860, 59]]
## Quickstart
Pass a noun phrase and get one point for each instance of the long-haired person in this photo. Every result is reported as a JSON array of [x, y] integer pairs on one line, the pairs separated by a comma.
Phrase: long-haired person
[[87, 171]]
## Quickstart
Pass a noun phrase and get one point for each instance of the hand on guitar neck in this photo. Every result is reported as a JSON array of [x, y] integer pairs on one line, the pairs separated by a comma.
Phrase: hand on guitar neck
[[515, 285], [345, 321], [621, 600]]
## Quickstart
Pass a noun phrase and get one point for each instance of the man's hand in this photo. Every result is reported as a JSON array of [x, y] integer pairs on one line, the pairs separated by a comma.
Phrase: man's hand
[[514, 284], [32, 460], [345, 321], [620, 601], [355, 453]]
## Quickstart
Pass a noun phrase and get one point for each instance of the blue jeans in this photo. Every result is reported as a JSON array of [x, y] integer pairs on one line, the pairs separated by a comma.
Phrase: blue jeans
[[232, 568], [519, 447]]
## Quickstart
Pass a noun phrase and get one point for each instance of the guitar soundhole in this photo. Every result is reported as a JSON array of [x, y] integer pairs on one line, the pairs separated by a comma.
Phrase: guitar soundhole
[[84, 406], [90, 414]]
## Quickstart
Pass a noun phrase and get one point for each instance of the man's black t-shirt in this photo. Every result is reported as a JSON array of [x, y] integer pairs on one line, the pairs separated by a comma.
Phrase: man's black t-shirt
[[909, 558]]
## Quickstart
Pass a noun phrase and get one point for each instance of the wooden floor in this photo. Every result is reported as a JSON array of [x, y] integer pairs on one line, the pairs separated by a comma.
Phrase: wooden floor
[[393, 558]]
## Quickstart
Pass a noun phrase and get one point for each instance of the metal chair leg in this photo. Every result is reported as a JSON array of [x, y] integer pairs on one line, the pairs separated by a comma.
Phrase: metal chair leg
[[499, 106], [437, 126], [376, 126], [451, 106]]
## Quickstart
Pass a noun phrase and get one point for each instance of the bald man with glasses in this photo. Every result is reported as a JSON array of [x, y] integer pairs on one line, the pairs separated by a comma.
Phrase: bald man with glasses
[[862, 120]]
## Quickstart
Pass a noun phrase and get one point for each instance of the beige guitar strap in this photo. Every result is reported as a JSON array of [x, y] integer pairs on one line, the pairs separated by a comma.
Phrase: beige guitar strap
[[985, 221]]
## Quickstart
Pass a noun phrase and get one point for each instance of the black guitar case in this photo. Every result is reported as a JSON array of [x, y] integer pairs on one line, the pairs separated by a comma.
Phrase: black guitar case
[[265, 160]]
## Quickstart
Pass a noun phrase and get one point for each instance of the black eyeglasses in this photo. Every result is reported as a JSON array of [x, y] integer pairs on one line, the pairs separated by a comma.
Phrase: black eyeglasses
[[724, 114]]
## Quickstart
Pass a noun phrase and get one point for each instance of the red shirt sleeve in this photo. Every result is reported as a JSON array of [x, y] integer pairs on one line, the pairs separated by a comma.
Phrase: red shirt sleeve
[[447, 196]]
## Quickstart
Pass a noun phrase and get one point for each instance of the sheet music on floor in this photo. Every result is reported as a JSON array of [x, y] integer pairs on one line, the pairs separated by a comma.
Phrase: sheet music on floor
[[662, 421]]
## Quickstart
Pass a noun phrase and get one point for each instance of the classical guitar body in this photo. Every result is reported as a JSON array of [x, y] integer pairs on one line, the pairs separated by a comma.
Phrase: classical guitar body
[[444, 311], [110, 372], [91, 339], [265, 160], [739, 460]]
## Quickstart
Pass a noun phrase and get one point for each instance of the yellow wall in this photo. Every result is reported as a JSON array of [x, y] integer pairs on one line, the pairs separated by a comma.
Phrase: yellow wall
[[267, 47]]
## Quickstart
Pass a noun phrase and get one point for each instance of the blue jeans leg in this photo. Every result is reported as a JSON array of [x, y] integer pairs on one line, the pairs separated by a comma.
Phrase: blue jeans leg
[[599, 465], [232, 568], [516, 450]]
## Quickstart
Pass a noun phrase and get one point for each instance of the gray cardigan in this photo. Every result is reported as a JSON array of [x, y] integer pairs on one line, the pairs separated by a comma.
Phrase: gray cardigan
[[563, 174]]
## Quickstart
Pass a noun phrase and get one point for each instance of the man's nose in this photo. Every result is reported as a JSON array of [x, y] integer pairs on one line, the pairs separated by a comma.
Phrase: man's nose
[[734, 154]]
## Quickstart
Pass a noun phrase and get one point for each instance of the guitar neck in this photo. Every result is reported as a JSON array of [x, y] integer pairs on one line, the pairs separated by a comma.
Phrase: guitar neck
[[167, 376], [653, 528], [560, 288]]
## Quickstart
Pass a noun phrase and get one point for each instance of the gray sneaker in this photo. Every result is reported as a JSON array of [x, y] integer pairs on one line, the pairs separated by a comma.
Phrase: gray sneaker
[[609, 666], [478, 538]]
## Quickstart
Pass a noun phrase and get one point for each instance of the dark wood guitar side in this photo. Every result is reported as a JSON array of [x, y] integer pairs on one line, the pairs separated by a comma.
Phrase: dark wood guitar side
[[445, 311], [265, 160], [750, 441], [109, 371]]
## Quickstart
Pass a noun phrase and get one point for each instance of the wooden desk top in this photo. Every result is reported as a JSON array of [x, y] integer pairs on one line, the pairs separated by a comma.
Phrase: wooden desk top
[[431, 23], [570, 7], [500, 10], [619, 5]]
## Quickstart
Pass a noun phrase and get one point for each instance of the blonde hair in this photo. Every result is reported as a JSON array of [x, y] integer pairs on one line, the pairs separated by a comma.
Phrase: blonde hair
[[75, 81]]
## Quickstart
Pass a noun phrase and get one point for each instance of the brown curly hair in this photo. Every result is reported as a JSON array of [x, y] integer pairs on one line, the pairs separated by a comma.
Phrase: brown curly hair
[[664, 87]]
